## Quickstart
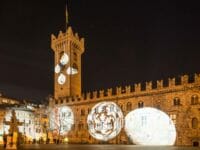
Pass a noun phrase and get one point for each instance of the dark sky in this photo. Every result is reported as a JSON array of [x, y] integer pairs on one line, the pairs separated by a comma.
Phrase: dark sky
[[126, 42]]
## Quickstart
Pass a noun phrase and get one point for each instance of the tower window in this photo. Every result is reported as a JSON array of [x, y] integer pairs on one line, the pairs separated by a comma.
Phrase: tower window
[[194, 100], [194, 123], [140, 104], [128, 106], [75, 56], [177, 101], [82, 112], [173, 118]]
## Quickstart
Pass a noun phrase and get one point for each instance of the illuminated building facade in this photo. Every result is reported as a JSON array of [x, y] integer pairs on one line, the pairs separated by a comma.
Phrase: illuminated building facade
[[32, 117], [178, 98]]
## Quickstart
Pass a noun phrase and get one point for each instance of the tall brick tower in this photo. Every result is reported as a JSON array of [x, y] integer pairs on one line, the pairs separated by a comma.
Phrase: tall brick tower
[[68, 48]]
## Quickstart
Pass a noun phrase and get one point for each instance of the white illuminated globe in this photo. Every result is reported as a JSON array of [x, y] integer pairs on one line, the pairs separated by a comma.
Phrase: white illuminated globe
[[61, 79], [72, 71], [61, 119], [150, 126], [105, 121], [57, 68], [64, 59]]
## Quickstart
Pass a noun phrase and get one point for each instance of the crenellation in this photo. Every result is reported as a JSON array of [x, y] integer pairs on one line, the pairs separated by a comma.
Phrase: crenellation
[[184, 79], [197, 78], [101, 93], [109, 92], [118, 90], [171, 82], [148, 86], [137, 87], [60, 35], [159, 84], [128, 89], [94, 94], [82, 42], [88, 95], [70, 31], [53, 37], [76, 36]]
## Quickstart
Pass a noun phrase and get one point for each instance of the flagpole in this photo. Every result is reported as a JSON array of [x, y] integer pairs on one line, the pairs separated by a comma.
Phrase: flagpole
[[66, 16]]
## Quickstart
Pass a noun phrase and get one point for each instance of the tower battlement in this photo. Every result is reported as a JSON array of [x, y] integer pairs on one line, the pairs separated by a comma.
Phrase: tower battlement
[[58, 42], [136, 90]]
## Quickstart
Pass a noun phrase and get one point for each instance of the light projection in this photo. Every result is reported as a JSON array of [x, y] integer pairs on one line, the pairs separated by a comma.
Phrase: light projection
[[64, 59], [72, 71], [150, 126], [105, 121], [63, 67], [61, 120], [57, 69], [61, 79]]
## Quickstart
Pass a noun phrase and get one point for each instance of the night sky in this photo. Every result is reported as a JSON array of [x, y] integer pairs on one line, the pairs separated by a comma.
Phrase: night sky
[[126, 42]]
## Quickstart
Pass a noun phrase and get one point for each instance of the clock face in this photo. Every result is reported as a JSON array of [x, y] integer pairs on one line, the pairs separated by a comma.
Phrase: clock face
[[61, 79], [150, 126], [64, 59]]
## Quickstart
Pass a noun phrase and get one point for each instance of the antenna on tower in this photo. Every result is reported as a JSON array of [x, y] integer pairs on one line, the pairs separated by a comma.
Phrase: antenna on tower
[[66, 16]]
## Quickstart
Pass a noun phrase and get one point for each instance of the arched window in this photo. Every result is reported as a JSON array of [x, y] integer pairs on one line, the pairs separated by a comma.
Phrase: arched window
[[128, 106], [75, 56], [194, 123], [82, 112], [177, 101], [194, 100], [140, 104], [75, 66]]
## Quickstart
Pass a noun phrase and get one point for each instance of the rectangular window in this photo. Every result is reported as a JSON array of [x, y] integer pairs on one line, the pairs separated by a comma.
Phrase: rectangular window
[[173, 118]]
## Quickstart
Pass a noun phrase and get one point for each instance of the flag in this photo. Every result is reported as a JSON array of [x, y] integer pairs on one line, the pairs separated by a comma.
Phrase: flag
[[66, 15]]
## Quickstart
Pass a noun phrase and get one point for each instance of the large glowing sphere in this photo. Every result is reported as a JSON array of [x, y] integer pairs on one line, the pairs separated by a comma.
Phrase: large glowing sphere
[[150, 126], [61, 119], [105, 121]]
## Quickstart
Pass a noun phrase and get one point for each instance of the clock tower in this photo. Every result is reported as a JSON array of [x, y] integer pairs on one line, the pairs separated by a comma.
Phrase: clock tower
[[68, 48]]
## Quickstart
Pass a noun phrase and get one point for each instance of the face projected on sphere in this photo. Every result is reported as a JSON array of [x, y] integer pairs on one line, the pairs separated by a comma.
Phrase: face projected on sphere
[[150, 126], [105, 121], [61, 119]]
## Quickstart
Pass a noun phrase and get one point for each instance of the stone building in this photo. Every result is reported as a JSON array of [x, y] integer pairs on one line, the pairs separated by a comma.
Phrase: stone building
[[178, 97], [33, 118]]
